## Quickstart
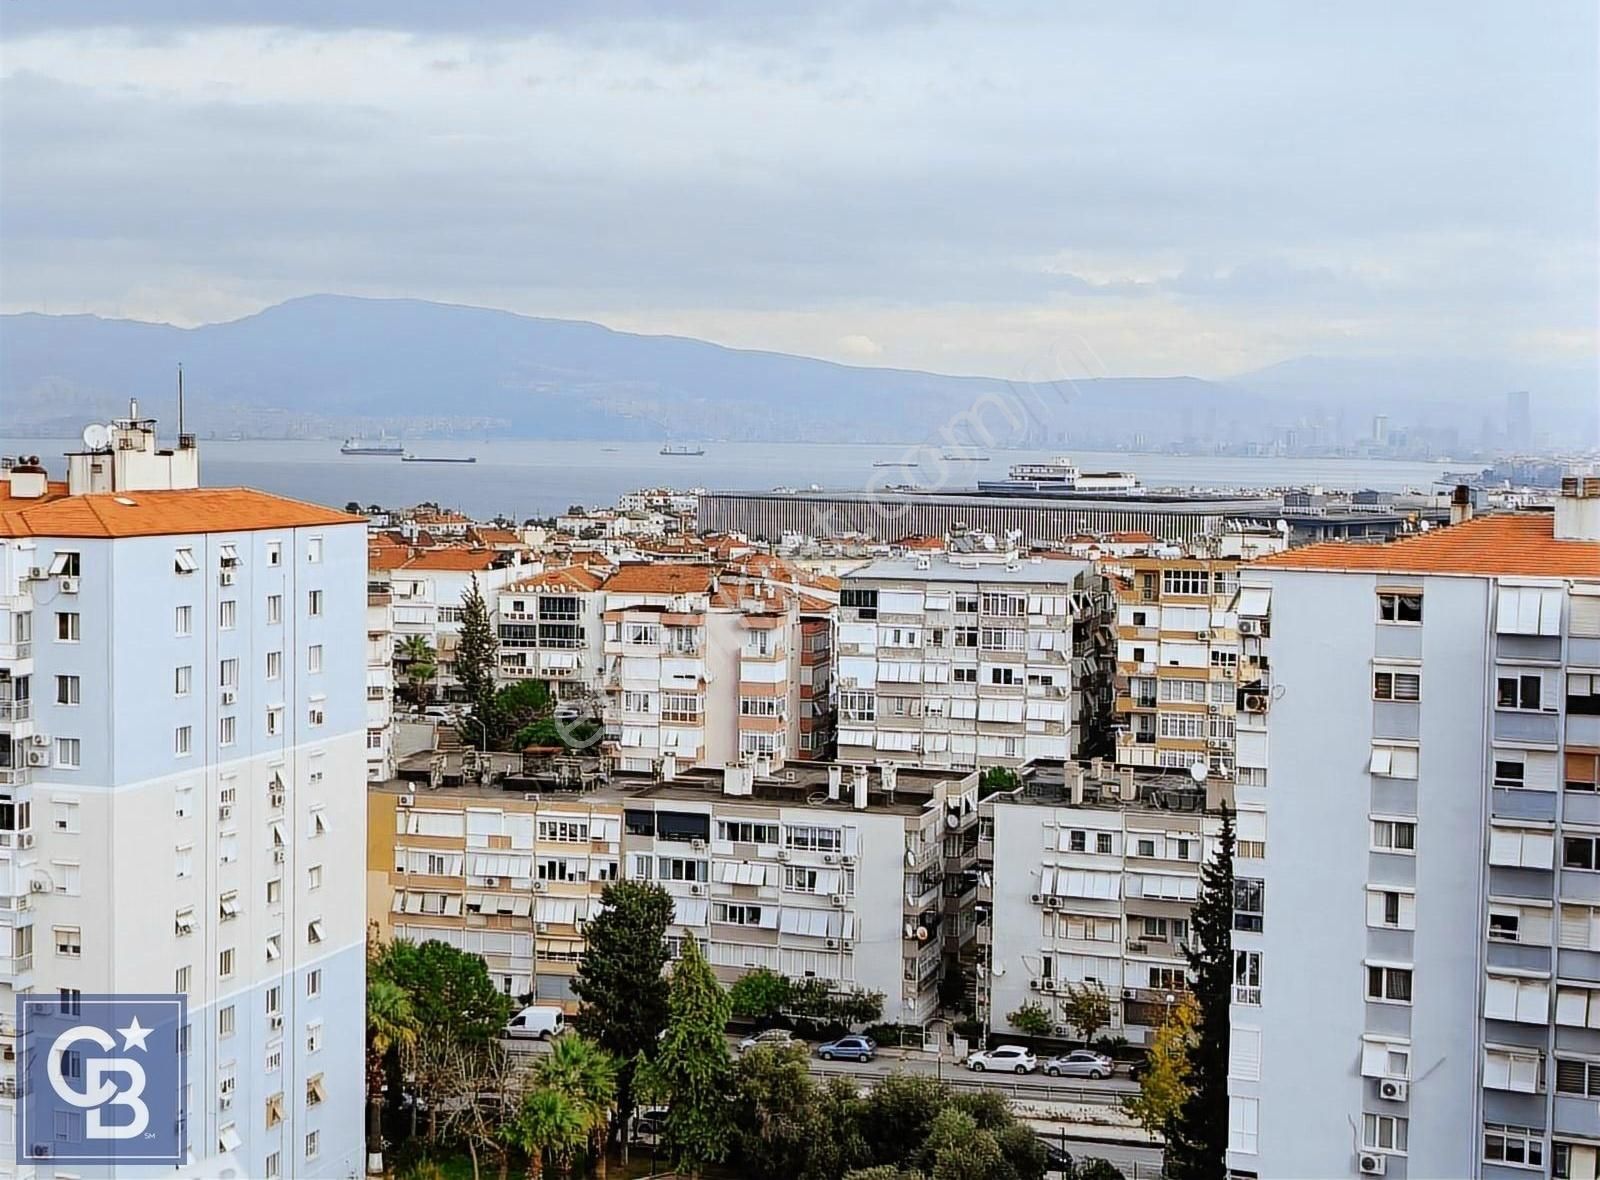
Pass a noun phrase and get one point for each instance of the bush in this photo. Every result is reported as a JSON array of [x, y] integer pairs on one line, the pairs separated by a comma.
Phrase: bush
[[970, 1028], [896, 1035], [1032, 1020]]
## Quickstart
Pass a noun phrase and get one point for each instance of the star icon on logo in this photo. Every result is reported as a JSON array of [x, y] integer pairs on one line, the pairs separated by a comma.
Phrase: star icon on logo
[[135, 1034]]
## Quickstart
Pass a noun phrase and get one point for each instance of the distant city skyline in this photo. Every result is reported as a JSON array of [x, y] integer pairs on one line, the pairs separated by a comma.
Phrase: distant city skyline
[[1022, 193]]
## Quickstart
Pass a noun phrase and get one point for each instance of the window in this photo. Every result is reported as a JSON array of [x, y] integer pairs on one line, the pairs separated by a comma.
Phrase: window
[[314, 658], [1392, 909], [964, 675], [1243, 1116], [1394, 835], [183, 620], [313, 1138], [1392, 760], [1155, 928], [314, 930], [314, 550], [183, 858], [180, 980], [225, 1021], [1389, 984], [314, 603], [69, 690], [1574, 1161], [228, 673], [315, 714], [228, 906], [1579, 852], [1248, 903], [182, 802], [1525, 924], [1578, 1077], [274, 608], [183, 562], [1522, 691], [1398, 607], [182, 680], [225, 963], [1517, 1070], [227, 614], [227, 730], [1391, 685], [1383, 1132], [274, 891], [65, 815], [1102, 843], [274, 722], [274, 947], [1247, 977], [1077, 841], [68, 875], [71, 1001], [67, 626], [317, 822], [314, 983], [1382, 1057], [68, 753], [314, 1036], [1517, 998], [1192, 583], [69, 942], [274, 552], [274, 665], [1582, 771], [1504, 1144], [1528, 848], [274, 1000], [273, 1169], [1583, 694], [314, 878], [315, 1090]]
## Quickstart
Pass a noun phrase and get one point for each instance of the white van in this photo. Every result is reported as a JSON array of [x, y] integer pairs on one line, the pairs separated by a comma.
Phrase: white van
[[537, 1022]]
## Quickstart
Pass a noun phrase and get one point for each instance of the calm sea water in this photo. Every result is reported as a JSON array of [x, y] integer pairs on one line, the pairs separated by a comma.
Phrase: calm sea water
[[522, 479]]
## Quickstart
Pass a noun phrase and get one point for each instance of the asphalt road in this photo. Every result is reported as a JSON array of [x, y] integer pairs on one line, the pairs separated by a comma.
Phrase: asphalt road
[[1135, 1163]]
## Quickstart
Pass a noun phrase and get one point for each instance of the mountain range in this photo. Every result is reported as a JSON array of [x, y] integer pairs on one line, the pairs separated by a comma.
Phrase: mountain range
[[330, 364]]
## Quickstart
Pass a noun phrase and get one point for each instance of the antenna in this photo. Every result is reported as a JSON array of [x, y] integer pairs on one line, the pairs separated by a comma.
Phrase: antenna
[[180, 399]]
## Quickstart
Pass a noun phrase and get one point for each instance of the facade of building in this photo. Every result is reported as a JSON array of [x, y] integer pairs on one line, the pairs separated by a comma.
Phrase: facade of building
[[1417, 922], [380, 684], [947, 661], [550, 629], [182, 748], [426, 591], [1094, 871]]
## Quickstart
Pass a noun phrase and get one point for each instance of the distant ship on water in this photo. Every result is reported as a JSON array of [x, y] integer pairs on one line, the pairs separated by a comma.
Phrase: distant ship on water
[[408, 458], [359, 446], [682, 449]]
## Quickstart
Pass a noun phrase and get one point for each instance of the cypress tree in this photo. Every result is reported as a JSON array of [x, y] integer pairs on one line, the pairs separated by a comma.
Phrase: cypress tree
[[477, 655]]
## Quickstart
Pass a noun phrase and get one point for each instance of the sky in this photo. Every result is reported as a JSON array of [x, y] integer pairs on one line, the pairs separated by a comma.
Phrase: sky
[[1014, 189]]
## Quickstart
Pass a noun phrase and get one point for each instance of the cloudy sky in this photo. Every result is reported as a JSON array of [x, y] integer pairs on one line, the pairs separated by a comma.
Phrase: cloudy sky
[[1012, 189]]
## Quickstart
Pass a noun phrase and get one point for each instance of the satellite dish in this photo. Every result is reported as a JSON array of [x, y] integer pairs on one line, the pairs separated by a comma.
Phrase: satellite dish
[[922, 934], [96, 437], [911, 931], [911, 858], [1198, 772], [952, 821], [985, 880], [997, 969]]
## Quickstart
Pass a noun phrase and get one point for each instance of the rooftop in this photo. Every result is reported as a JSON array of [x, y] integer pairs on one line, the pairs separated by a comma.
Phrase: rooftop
[[457, 559], [567, 577], [162, 513], [660, 579], [1028, 571], [1514, 544]]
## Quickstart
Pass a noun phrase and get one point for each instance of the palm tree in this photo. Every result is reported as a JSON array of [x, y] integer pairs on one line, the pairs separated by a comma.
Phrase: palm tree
[[587, 1074], [390, 1024], [421, 664], [546, 1121]]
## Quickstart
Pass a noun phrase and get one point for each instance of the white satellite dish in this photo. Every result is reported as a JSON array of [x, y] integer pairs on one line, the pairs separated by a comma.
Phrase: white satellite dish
[[96, 437], [1197, 771]]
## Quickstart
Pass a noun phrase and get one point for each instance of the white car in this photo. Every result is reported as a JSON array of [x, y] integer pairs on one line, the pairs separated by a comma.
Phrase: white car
[[773, 1038], [1005, 1059]]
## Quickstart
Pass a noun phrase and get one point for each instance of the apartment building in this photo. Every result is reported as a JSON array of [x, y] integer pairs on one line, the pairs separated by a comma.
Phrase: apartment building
[[1417, 926], [701, 668], [182, 739], [509, 878], [550, 629], [1094, 871], [426, 589], [817, 724], [959, 660], [380, 684], [1178, 682]]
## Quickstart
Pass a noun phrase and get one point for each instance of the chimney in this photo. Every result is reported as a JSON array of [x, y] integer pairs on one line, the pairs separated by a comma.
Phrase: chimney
[[28, 478], [1097, 768], [835, 781], [1577, 508], [1130, 791], [859, 784], [1075, 782], [1461, 504]]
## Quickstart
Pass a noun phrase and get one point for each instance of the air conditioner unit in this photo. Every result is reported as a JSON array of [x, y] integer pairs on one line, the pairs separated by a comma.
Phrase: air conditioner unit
[[406, 801], [840, 900], [494, 882], [1249, 626], [41, 1151], [1213, 709], [539, 886], [698, 845], [847, 861], [1033, 985], [38, 757], [277, 856], [541, 927], [1130, 993], [1052, 903], [830, 859], [783, 854], [229, 696], [831, 944], [1047, 985], [1255, 702], [846, 945], [227, 578], [37, 573], [1037, 899], [697, 890], [40, 739], [225, 811], [1371, 1163], [69, 585], [1393, 1090], [38, 886], [275, 1021], [25, 839]]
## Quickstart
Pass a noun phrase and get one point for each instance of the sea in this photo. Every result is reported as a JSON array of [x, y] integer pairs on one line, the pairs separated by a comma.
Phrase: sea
[[523, 479]]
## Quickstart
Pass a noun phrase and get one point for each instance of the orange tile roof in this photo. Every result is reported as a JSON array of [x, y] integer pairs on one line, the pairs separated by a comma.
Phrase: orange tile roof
[[919, 541], [163, 513], [54, 490], [1513, 544], [455, 559], [494, 536], [568, 577], [660, 579]]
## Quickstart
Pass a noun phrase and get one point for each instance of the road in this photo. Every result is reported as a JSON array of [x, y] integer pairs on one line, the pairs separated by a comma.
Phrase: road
[[1135, 1163]]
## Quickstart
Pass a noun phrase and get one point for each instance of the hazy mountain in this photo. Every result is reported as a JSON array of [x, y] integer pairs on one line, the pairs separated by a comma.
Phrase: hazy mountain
[[329, 364]]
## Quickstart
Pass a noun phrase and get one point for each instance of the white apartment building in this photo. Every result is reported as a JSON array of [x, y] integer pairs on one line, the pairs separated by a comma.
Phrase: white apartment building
[[1095, 871], [380, 684], [701, 668], [1417, 922], [550, 629], [426, 592], [182, 753], [959, 661]]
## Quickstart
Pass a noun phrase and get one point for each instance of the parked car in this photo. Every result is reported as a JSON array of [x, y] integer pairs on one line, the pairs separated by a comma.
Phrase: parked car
[[652, 1122], [1139, 1068], [854, 1048], [1007, 1058], [1080, 1063], [536, 1021], [1056, 1159], [773, 1038]]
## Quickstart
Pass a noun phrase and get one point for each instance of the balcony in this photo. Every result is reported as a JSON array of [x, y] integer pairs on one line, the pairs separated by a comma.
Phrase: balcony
[[1246, 995], [14, 776], [12, 711]]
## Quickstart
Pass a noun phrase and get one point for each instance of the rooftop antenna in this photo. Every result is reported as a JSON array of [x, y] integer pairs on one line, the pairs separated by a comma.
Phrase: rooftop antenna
[[180, 400]]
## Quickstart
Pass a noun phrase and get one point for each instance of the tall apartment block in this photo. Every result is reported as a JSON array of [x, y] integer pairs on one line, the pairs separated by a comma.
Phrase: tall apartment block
[[1180, 684], [957, 661], [182, 760], [550, 630], [1417, 929]]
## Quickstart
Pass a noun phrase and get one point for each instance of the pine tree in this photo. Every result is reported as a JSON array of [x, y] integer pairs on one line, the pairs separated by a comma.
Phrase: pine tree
[[477, 656], [1197, 1138]]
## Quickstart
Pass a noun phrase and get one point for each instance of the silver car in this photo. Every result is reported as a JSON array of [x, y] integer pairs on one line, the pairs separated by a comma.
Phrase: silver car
[[1080, 1063], [772, 1038]]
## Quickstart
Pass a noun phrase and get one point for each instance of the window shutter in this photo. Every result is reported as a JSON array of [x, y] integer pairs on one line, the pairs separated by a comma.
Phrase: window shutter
[[1505, 847], [1496, 1069], [1585, 622], [1244, 1054], [1500, 999], [1539, 770], [1571, 1006], [1533, 1003], [1571, 1077], [1575, 927], [1538, 850]]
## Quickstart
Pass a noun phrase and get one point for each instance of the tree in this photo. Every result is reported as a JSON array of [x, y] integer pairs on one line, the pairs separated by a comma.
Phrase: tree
[[484, 1094], [621, 990], [760, 995], [391, 1025], [451, 993], [1095, 1168], [1023, 1157], [421, 666], [1197, 1137], [692, 1063], [958, 1149], [518, 706], [1032, 1020], [997, 779], [895, 1117], [884, 1172], [1165, 1085], [477, 660], [1086, 1008], [547, 1122], [586, 1073]]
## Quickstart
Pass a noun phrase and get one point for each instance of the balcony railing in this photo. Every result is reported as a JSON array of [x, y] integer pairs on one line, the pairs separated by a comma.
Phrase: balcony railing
[[15, 710], [16, 651], [1244, 994], [13, 776]]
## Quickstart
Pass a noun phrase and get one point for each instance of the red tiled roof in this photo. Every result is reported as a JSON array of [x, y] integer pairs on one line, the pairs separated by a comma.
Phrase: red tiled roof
[[1515, 544], [660, 579], [568, 577], [455, 559], [163, 513]]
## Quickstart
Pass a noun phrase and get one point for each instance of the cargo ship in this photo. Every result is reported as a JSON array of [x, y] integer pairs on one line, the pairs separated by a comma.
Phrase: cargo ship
[[358, 446]]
